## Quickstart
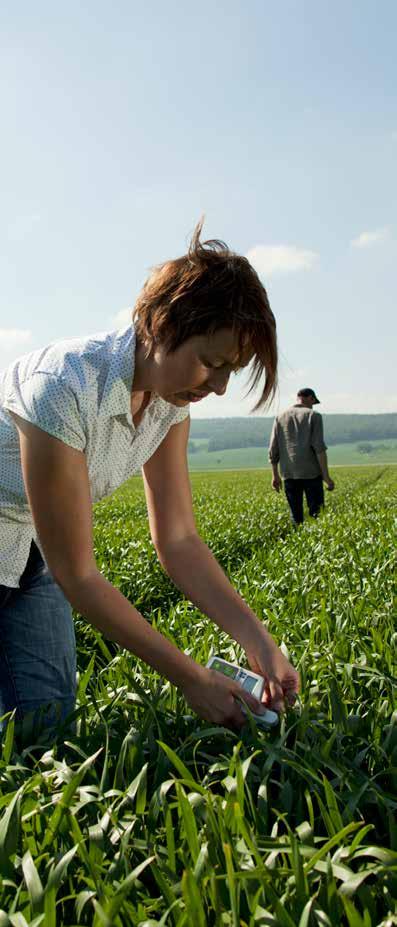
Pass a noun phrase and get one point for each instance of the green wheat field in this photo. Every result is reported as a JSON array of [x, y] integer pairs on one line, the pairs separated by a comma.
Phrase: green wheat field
[[148, 816]]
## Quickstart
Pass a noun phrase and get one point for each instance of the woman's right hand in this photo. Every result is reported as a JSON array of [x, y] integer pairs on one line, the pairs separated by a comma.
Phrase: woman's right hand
[[214, 697]]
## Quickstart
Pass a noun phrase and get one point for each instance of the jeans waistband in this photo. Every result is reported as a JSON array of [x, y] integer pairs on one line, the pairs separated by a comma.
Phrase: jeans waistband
[[34, 563]]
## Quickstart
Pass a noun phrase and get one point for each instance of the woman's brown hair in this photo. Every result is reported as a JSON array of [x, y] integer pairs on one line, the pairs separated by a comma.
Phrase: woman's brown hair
[[210, 288]]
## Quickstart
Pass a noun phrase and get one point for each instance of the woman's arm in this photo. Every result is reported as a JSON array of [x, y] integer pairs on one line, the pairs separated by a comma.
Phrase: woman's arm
[[58, 491], [194, 569]]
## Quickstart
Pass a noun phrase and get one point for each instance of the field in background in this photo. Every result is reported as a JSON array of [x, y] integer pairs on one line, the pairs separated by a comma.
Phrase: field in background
[[151, 817], [347, 455]]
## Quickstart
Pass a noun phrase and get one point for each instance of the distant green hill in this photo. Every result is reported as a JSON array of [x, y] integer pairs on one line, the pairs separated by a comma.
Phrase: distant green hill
[[246, 458], [233, 433]]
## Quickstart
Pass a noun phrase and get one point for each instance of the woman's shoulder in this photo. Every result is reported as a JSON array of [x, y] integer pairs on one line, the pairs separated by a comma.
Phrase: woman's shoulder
[[74, 360]]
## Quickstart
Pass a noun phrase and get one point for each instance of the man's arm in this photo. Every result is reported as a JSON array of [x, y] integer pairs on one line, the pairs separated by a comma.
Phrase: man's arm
[[323, 462], [274, 457], [320, 448]]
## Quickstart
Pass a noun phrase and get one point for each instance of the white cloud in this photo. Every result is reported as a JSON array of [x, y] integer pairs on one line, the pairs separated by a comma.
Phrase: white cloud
[[13, 343], [122, 318], [280, 259], [370, 238]]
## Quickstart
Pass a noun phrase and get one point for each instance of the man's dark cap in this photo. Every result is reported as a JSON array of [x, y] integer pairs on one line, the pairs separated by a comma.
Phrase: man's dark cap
[[308, 392]]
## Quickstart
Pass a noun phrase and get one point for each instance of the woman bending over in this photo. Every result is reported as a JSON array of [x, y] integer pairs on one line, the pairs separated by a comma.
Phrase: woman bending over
[[78, 418]]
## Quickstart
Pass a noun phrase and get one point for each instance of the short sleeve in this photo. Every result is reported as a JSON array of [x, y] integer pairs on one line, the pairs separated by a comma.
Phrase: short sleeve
[[318, 433], [48, 402], [180, 414]]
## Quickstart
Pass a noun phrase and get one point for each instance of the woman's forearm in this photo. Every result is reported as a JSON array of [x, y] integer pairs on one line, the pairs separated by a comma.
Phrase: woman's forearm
[[109, 611], [194, 569]]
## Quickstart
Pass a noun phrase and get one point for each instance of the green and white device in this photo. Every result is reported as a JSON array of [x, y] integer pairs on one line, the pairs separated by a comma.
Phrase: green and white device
[[249, 681]]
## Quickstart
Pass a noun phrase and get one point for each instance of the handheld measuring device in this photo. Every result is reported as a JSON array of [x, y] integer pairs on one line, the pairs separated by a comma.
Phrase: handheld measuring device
[[250, 682]]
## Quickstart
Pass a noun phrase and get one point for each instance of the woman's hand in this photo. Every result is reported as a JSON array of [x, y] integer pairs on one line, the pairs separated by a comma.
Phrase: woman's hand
[[215, 698], [281, 679]]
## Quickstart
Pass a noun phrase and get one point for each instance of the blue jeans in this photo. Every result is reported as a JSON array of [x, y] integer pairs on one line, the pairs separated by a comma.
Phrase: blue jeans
[[314, 492], [37, 649]]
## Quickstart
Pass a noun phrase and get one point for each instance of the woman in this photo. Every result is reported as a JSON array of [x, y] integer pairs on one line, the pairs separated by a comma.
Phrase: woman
[[76, 420]]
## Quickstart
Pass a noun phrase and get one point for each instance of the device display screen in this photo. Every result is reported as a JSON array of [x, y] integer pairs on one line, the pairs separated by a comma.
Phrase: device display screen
[[224, 668], [249, 683]]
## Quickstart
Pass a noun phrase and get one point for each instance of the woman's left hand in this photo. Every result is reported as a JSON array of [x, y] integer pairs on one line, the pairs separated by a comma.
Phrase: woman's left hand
[[281, 679]]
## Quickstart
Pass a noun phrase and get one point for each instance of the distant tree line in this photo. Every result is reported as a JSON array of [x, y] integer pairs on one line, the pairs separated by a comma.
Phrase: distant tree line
[[367, 448], [231, 433]]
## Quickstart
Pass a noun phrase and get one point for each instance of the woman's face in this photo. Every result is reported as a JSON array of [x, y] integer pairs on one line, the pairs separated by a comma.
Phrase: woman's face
[[201, 365]]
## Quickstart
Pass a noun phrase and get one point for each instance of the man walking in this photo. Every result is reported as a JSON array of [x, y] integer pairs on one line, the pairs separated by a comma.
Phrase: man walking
[[297, 444]]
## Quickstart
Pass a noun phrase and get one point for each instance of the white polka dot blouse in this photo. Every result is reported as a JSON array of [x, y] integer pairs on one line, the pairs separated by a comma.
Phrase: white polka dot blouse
[[78, 390]]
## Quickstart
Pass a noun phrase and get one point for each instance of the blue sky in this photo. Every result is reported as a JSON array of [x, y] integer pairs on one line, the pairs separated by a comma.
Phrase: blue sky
[[122, 123]]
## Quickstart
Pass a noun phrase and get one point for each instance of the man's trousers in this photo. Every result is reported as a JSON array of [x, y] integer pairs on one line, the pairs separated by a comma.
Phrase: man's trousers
[[314, 492]]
